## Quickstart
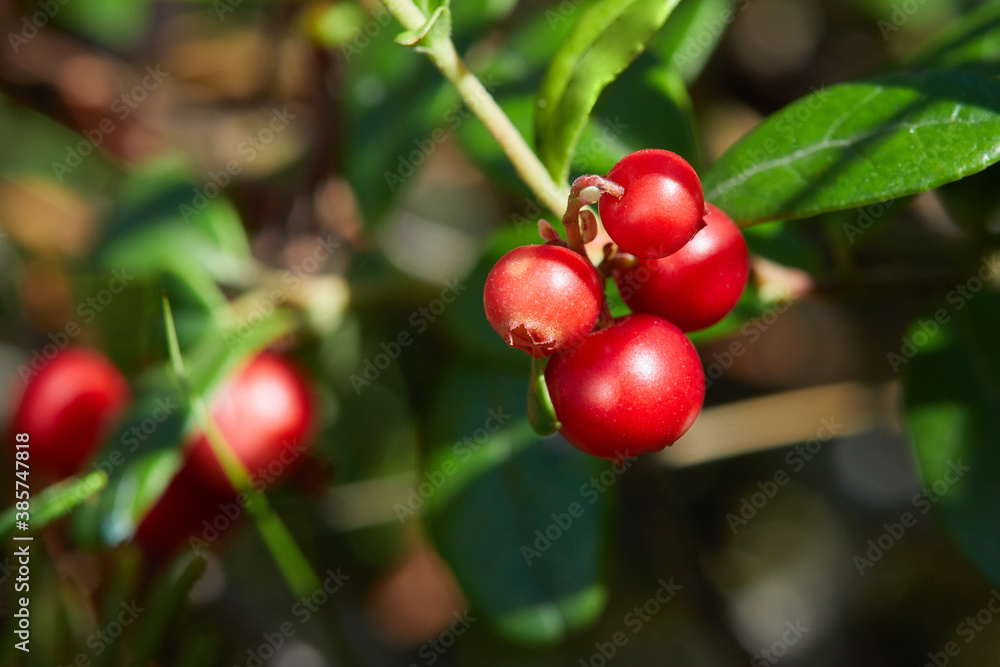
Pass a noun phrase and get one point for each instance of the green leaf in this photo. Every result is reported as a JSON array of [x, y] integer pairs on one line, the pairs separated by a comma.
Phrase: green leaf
[[606, 38], [489, 520], [952, 398], [860, 143], [974, 39]]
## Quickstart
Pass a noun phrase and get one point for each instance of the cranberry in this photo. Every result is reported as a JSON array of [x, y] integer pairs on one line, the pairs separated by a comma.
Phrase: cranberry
[[542, 298], [67, 408], [696, 286], [265, 413], [662, 207], [634, 387]]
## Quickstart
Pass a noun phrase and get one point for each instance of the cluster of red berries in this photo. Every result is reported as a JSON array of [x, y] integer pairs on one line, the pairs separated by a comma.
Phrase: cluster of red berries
[[265, 412], [622, 387]]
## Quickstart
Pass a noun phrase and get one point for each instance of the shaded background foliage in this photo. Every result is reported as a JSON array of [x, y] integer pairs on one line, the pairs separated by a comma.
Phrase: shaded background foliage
[[292, 178]]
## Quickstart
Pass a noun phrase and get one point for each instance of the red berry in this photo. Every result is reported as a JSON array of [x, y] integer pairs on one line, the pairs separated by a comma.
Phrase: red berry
[[634, 387], [696, 286], [186, 509], [68, 408], [265, 413], [662, 207], [542, 298]]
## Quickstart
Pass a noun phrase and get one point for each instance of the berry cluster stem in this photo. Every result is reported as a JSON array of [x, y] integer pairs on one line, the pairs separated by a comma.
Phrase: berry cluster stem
[[441, 50], [585, 190]]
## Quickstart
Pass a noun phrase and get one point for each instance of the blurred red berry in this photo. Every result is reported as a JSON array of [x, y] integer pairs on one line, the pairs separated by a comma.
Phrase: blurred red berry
[[68, 408]]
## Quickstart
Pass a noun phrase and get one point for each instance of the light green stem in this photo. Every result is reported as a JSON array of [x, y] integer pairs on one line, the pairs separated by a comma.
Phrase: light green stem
[[443, 54]]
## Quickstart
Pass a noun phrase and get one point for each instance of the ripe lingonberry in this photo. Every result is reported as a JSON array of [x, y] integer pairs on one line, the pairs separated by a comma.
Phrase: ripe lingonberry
[[265, 413], [68, 408], [542, 298], [634, 387], [662, 207], [696, 286]]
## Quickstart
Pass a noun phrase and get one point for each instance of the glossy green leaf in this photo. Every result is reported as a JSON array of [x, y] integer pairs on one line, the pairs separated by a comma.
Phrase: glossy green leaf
[[860, 143], [952, 398], [523, 511], [605, 39]]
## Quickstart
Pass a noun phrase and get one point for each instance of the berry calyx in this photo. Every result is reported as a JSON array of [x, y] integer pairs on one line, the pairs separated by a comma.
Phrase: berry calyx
[[662, 207], [542, 298], [68, 408], [696, 286], [265, 411], [632, 388]]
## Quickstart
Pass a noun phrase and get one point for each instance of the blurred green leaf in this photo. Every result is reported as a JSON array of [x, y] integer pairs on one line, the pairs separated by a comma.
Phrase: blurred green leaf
[[119, 24], [952, 399], [525, 533], [166, 599], [692, 33], [55, 501], [974, 39], [860, 143], [37, 146], [605, 39]]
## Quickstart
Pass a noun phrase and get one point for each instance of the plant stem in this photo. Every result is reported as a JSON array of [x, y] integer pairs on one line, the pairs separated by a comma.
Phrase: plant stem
[[443, 54]]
